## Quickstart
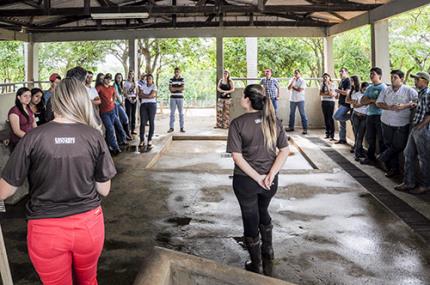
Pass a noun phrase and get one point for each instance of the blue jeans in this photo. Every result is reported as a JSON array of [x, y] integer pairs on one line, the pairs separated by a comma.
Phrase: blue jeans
[[176, 102], [111, 121], [301, 106], [342, 115], [122, 115], [147, 113], [275, 104], [418, 148]]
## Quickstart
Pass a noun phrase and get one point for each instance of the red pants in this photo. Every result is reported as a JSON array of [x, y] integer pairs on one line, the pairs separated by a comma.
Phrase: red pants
[[65, 251]]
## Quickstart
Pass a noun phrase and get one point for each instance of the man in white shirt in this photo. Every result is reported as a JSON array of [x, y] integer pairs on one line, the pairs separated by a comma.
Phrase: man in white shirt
[[297, 87], [396, 102], [92, 92]]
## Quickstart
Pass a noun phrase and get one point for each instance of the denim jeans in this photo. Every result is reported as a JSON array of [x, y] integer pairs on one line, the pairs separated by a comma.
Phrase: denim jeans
[[131, 113], [395, 140], [254, 203], [179, 103], [328, 110], [342, 115], [147, 113], [275, 104], [111, 122], [120, 112], [359, 127], [374, 136], [418, 148], [301, 106]]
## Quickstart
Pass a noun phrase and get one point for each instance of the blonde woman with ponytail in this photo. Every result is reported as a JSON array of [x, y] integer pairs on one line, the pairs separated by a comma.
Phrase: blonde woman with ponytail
[[70, 168], [259, 147]]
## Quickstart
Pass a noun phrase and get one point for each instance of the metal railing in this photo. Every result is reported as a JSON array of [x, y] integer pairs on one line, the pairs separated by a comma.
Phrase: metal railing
[[12, 87]]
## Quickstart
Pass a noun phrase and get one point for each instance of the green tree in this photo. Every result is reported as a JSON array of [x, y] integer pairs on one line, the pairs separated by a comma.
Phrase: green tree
[[352, 50], [60, 57], [11, 61], [410, 41]]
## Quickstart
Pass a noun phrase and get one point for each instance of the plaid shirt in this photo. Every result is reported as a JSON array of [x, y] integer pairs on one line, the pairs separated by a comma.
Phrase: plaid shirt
[[423, 107], [271, 86]]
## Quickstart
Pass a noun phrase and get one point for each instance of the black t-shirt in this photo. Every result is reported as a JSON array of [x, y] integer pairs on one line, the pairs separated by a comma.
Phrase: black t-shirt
[[63, 162], [246, 136], [344, 84]]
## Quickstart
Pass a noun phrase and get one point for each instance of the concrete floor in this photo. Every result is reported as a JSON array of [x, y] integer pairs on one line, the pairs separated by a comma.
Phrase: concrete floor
[[328, 228]]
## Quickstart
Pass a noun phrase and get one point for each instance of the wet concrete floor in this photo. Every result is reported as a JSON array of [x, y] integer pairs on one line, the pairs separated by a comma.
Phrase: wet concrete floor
[[327, 228]]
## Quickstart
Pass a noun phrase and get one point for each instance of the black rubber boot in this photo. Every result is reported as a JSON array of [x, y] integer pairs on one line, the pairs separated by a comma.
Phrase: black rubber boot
[[254, 248], [266, 238]]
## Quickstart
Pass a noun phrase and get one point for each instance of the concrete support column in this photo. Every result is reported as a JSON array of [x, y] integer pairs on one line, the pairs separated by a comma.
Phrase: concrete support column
[[328, 55], [252, 58], [31, 61], [132, 58], [219, 58], [380, 48]]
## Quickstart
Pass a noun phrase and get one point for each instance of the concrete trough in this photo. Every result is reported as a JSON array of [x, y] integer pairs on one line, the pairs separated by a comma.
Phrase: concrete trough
[[168, 267]]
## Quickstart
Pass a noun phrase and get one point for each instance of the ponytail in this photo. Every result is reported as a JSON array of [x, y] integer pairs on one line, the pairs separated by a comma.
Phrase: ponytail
[[259, 101], [268, 124]]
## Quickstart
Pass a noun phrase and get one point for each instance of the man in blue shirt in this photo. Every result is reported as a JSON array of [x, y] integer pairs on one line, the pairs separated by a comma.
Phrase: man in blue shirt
[[373, 120], [271, 86]]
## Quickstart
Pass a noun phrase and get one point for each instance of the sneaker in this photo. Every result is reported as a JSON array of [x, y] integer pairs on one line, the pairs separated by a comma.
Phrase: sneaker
[[367, 161], [340, 142], [327, 136], [305, 132], [182, 130], [170, 130], [289, 130], [392, 173], [420, 190], [403, 187]]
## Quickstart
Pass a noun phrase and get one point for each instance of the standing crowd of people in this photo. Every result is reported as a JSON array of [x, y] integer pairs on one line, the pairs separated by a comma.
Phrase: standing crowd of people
[[115, 101], [68, 143], [393, 120]]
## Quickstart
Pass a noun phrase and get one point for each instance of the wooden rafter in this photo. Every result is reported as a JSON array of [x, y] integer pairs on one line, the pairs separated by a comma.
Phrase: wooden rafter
[[170, 10]]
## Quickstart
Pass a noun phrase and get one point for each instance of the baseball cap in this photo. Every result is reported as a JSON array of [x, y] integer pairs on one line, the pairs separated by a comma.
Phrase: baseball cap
[[423, 75], [54, 76]]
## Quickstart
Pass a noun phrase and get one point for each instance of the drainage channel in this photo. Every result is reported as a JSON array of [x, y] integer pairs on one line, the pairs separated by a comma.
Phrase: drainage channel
[[414, 219]]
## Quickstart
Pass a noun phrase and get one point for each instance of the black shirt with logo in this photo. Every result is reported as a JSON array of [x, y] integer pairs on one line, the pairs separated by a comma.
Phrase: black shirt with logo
[[62, 162]]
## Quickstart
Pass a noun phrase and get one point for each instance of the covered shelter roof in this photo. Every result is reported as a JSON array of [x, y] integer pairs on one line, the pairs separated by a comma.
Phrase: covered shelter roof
[[42, 16]]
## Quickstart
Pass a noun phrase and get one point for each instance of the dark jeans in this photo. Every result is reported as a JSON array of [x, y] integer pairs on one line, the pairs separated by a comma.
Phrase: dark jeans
[[147, 113], [254, 203], [301, 106], [359, 127], [418, 148], [395, 140], [328, 110], [130, 109], [111, 121], [374, 136]]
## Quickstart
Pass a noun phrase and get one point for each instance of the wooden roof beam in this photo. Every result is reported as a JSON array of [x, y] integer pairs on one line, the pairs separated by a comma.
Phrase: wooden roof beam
[[169, 10]]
